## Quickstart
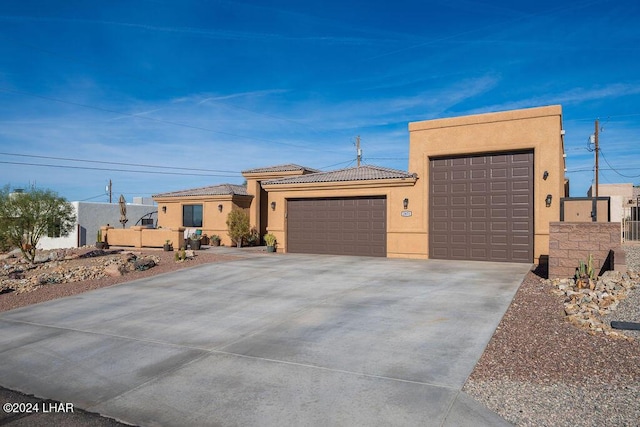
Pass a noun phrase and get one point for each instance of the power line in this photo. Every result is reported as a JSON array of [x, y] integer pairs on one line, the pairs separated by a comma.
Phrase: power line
[[115, 170], [337, 164], [94, 197], [615, 170], [115, 163]]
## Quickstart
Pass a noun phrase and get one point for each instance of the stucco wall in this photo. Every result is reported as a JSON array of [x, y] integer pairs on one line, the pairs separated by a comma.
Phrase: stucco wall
[[140, 237], [537, 129], [400, 241], [90, 217], [214, 220], [620, 195], [580, 210]]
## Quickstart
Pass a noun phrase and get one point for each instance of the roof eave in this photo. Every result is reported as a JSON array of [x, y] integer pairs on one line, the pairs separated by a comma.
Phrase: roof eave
[[204, 197], [274, 175], [332, 185]]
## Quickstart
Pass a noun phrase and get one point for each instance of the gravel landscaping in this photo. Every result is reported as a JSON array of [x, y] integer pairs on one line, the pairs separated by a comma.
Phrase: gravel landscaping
[[540, 370], [85, 266]]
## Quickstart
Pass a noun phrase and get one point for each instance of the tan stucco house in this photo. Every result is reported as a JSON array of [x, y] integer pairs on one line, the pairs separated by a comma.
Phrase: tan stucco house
[[480, 187]]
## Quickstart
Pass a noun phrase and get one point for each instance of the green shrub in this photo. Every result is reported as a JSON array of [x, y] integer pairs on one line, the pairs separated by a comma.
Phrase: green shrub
[[238, 226], [269, 239]]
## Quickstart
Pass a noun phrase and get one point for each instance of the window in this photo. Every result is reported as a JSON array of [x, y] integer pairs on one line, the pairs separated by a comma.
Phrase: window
[[54, 228], [192, 215]]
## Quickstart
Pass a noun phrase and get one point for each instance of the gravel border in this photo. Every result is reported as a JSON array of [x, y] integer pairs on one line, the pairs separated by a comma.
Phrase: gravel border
[[539, 370], [12, 300]]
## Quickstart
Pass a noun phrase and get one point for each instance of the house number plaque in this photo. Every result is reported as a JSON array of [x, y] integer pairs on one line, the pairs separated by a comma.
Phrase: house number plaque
[[405, 213]]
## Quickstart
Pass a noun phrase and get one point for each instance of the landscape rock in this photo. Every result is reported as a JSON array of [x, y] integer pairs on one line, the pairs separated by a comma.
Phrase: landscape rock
[[54, 267], [113, 270], [584, 307], [144, 264]]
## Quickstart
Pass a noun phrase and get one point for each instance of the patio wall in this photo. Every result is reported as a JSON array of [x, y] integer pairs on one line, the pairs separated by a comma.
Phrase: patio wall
[[572, 242], [139, 237]]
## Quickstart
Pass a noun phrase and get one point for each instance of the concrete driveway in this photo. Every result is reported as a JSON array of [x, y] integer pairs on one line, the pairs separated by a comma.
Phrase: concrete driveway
[[269, 340]]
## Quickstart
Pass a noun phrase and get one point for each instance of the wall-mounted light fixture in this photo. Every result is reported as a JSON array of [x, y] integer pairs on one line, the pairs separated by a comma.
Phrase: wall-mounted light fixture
[[547, 201], [220, 208], [545, 175], [273, 206], [405, 203], [164, 209]]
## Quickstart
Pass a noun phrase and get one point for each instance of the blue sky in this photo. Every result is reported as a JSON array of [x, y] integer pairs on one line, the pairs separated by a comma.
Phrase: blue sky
[[204, 89]]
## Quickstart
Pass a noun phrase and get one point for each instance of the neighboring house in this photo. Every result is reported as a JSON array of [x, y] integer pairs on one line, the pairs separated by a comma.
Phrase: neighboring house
[[90, 217], [621, 198], [481, 187]]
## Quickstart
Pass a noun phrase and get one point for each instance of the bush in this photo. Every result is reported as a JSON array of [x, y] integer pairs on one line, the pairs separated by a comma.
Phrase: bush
[[26, 217], [238, 226]]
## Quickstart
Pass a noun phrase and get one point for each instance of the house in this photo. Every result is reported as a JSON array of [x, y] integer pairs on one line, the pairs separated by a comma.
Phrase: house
[[621, 198], [89, 219], [479, 187]]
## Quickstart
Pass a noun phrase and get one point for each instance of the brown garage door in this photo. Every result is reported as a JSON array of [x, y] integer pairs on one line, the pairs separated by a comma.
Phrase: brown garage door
[[481, 207], [340, 226]]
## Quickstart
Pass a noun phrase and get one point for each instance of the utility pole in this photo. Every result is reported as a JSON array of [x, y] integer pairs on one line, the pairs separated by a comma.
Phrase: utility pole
[[109, 190], [596, 150], [358, 150]]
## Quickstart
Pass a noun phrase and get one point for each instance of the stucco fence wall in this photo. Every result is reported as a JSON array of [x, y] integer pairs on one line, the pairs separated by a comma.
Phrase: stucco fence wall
[[572, 242], [142, 237], [90, 217]]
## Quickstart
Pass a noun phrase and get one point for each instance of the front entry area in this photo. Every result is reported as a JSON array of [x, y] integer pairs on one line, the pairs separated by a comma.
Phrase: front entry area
[[338, 226]]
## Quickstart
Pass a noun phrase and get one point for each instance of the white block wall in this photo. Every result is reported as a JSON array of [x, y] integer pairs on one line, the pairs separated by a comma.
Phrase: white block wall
[[90, 217]]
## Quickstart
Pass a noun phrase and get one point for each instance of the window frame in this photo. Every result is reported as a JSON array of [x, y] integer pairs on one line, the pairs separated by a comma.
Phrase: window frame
[[192, 218]]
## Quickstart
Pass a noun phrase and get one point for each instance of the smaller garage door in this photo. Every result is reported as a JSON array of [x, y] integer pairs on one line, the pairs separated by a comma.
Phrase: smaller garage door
[[339, 226]]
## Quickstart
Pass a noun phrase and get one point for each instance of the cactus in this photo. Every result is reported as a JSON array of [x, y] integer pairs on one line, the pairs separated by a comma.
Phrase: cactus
[[99, 236], [590, 271], [585, 273]]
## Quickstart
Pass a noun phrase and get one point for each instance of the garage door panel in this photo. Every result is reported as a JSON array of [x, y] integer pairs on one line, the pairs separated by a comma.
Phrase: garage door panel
[[478, 239], [459, 201], [498, 199], [478, 214], [474, 161], [458, 226], [476, 226], [343, 226], [494, 215], [521, 158], [520, 199], [498, 186], [520, 172], [460, 239], [498, 159], [519, 186], [458, 188], [478, 200], [478, 174], [478, 187], [498, 173], [440, 213]]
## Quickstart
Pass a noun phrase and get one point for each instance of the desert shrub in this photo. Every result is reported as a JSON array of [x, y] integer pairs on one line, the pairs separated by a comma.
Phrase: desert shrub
[[238, 226]]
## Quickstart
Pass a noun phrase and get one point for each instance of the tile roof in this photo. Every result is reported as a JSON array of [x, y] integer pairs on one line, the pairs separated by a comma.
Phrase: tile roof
[[212, 190], [291, 167], [357, 173]]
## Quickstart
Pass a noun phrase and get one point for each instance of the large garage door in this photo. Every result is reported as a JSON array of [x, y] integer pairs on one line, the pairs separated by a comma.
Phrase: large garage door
[[481, 208], [341, 226]]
